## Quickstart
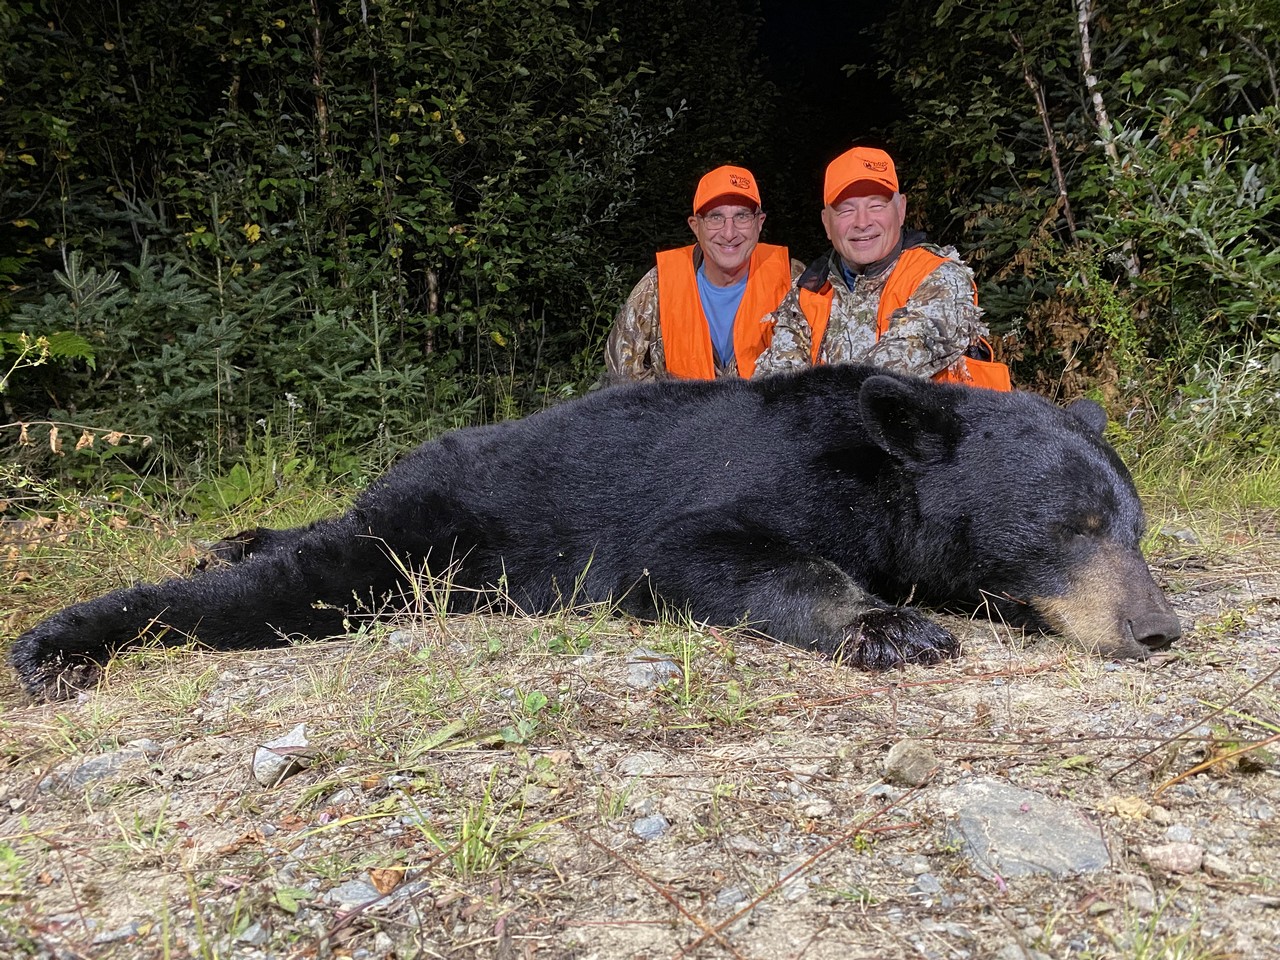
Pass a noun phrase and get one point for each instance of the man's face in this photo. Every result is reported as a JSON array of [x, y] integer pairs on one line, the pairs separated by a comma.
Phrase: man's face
[[864, 229], [727, 246]]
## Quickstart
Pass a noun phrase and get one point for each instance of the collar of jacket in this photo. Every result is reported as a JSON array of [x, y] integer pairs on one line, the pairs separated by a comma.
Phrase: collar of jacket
[[817, 276]]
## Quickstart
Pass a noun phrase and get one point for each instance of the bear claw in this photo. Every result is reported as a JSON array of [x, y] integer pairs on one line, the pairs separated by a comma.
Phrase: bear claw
[[893, 637]]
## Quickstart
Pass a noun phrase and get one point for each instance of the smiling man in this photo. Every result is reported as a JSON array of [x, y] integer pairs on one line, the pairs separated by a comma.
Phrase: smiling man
[[702, 311], [881, 295]]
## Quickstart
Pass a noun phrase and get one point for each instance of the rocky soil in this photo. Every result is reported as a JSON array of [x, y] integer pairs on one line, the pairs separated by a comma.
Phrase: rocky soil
[[592, 787]]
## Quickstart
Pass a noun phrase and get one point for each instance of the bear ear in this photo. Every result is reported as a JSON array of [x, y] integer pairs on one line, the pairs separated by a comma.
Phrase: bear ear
[[910, 420], [1090, 414]]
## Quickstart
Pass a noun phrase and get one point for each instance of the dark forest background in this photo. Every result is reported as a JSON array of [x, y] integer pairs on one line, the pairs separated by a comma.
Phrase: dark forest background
[[335, 227]]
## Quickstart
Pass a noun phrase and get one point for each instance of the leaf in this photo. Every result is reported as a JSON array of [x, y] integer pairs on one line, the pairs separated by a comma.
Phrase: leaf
[[386, 879], [289, 899]]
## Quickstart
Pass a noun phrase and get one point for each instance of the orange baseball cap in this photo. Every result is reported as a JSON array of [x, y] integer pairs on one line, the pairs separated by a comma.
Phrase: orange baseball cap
[[726, 182], [861, 164]]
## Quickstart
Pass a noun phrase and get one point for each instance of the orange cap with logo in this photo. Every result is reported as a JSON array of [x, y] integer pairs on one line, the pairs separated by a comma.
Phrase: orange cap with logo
[[859, 165], [726, 182]]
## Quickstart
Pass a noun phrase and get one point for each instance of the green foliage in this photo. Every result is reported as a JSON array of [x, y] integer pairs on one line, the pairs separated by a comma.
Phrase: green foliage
[[384, 217], [1159, 229]]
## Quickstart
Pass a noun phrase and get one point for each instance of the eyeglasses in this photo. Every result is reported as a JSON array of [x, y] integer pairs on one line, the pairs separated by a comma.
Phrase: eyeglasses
[[717, 220]]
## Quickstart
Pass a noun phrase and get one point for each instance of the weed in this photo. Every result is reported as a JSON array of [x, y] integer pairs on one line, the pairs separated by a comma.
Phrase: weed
[[1155, 936], [527, 708]]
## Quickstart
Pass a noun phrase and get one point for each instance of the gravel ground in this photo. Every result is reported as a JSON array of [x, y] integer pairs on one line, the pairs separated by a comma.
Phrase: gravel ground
[[592, 787]]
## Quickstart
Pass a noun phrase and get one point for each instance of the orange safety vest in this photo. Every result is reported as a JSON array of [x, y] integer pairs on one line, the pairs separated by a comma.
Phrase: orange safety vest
[[686, 335], [913, 266]]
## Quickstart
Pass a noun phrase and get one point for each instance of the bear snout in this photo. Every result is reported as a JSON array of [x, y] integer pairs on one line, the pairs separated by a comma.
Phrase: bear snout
[[1113, 605]]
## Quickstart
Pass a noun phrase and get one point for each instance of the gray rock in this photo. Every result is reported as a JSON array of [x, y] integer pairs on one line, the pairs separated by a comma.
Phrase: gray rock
[[651, 827], [642, 764], [279, 759], [120, 933], [798, 886], [647, 669], [731, 897], [909, 763], [1016, 951], [885, 793], [817, 809], [1218, 866], [1010, 832], [927, 884], [744, 844], [401, 639], [255, 935], [353, 893], [76, 776]]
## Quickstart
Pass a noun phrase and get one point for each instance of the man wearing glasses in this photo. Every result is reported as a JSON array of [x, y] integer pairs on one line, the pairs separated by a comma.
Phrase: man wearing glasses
[[881, 296], [700, 313]]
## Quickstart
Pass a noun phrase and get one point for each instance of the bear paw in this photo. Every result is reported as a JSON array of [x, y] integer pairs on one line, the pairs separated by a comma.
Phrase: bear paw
[[52, 676], [895, 636]]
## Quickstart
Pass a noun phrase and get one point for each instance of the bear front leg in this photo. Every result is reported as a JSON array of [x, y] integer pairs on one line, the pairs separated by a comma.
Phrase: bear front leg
[[729, 577], [309, 590]]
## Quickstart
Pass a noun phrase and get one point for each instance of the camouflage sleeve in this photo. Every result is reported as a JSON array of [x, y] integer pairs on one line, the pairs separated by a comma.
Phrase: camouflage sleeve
[[931, 332], [791, 347], [634, 348]]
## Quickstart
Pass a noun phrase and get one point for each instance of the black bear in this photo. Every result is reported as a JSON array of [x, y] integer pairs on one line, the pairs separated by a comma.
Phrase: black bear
[[802, 505]]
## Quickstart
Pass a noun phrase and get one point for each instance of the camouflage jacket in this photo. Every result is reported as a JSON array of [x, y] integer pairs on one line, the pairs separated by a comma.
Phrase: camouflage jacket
[[929, 334], [634, 348]]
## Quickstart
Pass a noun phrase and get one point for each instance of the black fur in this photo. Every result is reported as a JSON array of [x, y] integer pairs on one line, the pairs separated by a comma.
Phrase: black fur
[[804, 505]]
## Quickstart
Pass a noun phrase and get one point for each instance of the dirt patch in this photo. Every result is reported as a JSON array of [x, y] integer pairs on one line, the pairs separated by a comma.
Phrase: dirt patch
[[593, 787]]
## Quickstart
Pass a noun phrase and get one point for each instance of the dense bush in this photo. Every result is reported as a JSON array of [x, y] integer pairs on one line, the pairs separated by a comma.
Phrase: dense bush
[[1113, 169], [366, 217]]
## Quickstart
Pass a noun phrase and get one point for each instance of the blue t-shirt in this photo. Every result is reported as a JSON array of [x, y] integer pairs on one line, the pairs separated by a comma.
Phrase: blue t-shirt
[[720, 304]]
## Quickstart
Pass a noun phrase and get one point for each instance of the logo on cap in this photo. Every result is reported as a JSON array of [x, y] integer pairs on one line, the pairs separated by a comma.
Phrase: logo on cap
[[879, 166], [742, 183]]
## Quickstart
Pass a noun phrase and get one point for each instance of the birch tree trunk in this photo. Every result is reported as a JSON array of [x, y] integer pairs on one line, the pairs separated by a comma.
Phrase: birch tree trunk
[[1084, 14]]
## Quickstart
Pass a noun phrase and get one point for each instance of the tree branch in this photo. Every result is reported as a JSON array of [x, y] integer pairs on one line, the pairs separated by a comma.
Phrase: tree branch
[[1042, 108]]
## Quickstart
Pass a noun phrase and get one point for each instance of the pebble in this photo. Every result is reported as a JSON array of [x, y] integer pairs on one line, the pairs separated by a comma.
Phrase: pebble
[[927, 884], [76, 776], [1141, 901], [730, 897], [255, 935], [745, 844], [909, 763], [647, 669], [1016, 951], [353, 893], [886, 793], [1218, 866], [651, 827], [817, 809], [1174, 857], [642, 764], [797, 887], [278, 759]]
